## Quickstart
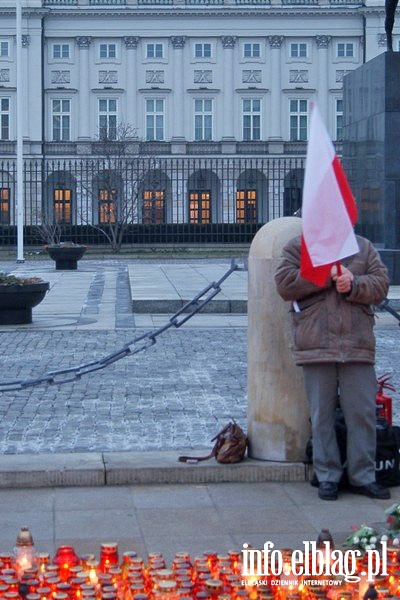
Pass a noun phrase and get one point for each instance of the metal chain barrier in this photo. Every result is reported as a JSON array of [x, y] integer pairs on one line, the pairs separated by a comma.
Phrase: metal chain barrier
[[138, 344]]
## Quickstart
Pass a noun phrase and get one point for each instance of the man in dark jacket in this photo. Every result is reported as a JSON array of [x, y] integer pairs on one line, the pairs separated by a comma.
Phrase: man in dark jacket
[[333, 341]]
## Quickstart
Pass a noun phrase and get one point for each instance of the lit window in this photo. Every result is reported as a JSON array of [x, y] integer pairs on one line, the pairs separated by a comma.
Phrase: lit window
[[61, 120], [4, 206], [107, 206], [154, 51], [62, 205], [61, 51], [202, 50], [345, 50], [4, 118], [298, 50], [154, 120], [246, 206], [251, 119], [298, 120], [199, 207], [108, 118], [154, 206], [251, 50], [107, 50], [203, 119]]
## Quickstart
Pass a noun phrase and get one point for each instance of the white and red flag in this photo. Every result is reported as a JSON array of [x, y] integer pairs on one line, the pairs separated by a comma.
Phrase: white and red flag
[[328, 210]]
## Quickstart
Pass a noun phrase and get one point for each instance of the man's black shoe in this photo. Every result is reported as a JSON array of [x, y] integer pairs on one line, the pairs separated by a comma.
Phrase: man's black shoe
[[328, 490], [372, 490]]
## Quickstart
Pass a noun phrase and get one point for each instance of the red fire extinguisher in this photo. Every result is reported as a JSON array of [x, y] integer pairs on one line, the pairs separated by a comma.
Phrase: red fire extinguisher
[[383, 401]]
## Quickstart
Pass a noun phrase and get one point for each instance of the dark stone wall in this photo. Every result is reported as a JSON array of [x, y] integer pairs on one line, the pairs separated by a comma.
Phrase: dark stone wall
[[371, 152]]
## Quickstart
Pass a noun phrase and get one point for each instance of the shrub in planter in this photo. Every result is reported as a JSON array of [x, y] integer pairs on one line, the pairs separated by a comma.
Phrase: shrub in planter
[[18, 295]]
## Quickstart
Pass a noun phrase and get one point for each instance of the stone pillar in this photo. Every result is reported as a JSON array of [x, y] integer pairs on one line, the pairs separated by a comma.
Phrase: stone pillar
[[84, 88], [132, 118], [228, 43], [275, 42], [178, 43], [278, 425], [323, 70]]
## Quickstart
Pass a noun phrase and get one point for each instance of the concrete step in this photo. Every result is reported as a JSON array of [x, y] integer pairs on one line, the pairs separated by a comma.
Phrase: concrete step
[[136, 468]]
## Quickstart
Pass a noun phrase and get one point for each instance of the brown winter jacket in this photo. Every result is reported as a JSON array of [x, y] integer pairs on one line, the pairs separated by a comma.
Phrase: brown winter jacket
[[333, 327]]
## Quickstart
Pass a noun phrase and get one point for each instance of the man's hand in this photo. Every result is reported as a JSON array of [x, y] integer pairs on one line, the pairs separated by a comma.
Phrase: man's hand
[[343, 282]]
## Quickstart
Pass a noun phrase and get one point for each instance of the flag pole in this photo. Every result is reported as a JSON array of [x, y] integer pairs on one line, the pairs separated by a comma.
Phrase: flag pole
[[20, 148]]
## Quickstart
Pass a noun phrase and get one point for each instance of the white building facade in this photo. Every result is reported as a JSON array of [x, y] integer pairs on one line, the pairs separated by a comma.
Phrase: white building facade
[[218, 92]]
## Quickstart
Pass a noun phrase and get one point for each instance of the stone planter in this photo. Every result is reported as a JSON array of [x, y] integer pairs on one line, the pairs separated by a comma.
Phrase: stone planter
[[17, 301], [66, 256]]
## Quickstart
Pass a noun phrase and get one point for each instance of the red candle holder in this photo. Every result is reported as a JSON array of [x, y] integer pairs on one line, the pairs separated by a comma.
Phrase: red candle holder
[[108, 556], [65, 559]]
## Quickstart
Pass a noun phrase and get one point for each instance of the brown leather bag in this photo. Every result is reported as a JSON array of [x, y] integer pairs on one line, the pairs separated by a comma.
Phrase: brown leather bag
[[230, 446]]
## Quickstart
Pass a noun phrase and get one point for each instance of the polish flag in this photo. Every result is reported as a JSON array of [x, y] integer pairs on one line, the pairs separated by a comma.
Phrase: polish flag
[[328, 210]]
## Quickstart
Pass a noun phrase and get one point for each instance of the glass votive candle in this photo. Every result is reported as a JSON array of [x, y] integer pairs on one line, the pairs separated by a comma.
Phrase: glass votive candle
[[7, 559], [108, 555], [44, 593], [85, 558]]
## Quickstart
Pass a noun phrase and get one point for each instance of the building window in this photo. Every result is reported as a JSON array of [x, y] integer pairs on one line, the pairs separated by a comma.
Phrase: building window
[[203, 119], [298, 50], [251, 50], [61, 51], [154, 120], [62, 205], [251, 119], [199, 207], [108, 118], [246, 206], [154, 51], [4, 49], [61, 120], [107, 51], [154, 206], [339, 120], [107, 206], [4, 119], [4, 206], [345, 50], [202, 50], [298, 120]]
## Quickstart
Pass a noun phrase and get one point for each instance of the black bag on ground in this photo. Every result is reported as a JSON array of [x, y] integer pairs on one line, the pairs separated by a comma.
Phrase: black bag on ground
[[387, 460]]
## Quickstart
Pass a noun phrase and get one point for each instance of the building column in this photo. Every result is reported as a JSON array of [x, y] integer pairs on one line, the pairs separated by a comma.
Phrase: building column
[[275, 43], [178, 120], [323, 70], [228, 130], [84, 91], [132, 117]]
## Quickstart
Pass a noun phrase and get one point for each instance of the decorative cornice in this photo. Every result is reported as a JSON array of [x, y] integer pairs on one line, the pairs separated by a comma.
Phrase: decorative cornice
[[283, 10], [276, 41], [178, 41], [323, 40], [83, 41], [228, 41], [131, 41]]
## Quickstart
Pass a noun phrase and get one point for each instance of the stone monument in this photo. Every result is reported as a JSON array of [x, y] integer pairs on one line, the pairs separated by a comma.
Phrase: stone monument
[[371, 156], [278, 416]]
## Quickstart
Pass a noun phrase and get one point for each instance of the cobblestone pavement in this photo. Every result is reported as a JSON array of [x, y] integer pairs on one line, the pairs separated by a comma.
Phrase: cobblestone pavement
[[175, 395]]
